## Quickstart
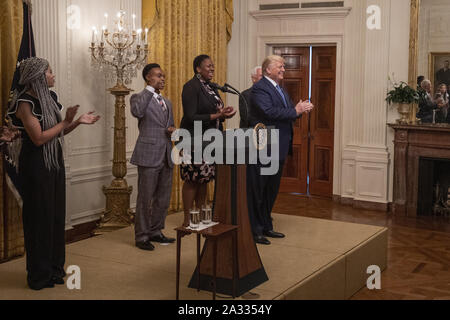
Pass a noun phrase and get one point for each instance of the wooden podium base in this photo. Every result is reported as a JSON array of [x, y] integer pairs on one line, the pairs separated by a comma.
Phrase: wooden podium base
[[230, 207], [225, 286]]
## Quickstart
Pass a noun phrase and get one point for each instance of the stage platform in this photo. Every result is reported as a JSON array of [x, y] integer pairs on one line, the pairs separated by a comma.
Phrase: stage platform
[[318, 259]]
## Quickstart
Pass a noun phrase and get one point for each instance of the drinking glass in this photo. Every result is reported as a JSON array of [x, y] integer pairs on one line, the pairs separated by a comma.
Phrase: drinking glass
[[194, 218], [206, 214]]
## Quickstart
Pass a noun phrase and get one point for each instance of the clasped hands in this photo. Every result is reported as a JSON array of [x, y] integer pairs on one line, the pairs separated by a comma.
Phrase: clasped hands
[[304, 107], [9, 134], [227, 113], [87, 118], [224, 113]]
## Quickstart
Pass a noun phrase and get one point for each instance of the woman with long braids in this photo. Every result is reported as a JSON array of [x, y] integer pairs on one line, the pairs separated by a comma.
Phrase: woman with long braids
[[35, 110]]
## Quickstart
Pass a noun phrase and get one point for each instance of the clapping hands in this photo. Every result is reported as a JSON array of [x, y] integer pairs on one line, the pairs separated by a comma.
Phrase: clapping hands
[[228, 112], [304, 107], [224, 113], [71, 113], [88, 118]]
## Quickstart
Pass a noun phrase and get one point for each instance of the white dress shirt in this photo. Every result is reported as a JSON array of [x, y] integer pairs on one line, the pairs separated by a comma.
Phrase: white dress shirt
[[156, 96], [275, 84]]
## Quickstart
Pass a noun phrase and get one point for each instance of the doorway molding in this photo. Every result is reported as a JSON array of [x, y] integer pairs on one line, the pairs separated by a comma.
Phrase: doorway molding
[[339, 13]]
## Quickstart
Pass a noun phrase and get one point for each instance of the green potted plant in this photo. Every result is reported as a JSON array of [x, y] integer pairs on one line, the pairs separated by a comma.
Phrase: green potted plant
[[403, 96]]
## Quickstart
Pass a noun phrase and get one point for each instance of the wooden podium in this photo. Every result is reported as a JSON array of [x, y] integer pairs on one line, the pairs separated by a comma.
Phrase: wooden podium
[[230, 207]]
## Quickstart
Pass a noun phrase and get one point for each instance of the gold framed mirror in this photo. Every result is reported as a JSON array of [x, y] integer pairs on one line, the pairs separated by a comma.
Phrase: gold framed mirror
[[414, 51], [429, 46]]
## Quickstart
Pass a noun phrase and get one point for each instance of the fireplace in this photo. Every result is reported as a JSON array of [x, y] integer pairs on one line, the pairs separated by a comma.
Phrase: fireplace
[[421, 169], [434, 187]]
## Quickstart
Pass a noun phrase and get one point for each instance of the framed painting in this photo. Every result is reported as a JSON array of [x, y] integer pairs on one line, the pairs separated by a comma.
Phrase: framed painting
[[439, 69]]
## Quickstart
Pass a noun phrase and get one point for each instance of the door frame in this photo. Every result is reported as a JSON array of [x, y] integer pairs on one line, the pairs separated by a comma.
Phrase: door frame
[[265, 45]]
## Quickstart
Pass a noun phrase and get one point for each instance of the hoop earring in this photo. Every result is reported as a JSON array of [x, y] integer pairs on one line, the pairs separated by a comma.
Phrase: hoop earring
[[199, 76]]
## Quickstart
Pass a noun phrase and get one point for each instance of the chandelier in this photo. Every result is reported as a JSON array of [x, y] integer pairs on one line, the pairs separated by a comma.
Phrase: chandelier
[[120, 53]]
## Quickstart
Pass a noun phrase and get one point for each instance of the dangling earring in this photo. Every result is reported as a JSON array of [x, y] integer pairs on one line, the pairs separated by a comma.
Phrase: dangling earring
[[199, 76]]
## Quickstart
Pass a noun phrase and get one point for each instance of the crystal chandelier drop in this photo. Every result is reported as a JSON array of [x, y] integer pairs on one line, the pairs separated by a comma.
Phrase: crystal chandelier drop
[[120, 53]]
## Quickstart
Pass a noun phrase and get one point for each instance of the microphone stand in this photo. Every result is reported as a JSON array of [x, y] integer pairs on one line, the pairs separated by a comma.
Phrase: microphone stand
[[234, 89], [237, 92], [234, 175], [229, 89]]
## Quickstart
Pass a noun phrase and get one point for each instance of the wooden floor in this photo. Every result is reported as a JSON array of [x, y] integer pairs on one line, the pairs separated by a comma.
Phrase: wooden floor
[[418, 249]]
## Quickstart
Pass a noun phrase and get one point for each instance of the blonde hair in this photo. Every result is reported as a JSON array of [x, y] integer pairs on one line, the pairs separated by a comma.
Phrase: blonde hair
[[269, 61]]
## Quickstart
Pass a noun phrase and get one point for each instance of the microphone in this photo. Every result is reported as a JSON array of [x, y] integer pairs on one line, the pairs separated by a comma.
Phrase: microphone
[[223, 89], [228, 86]]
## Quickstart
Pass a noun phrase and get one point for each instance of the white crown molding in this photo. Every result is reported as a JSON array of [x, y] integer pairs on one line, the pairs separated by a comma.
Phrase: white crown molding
[[313, 13]]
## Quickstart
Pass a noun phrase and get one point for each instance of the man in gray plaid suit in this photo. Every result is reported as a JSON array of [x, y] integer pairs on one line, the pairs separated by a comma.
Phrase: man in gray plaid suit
[[152, 155]]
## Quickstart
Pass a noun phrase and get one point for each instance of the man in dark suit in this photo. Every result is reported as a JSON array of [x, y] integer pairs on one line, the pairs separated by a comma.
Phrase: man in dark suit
[[270, 105], [244, 99], [426, 103], [152, 155]]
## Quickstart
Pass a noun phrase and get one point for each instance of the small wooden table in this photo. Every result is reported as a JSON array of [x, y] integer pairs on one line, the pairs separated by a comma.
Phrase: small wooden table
[[212, 233]]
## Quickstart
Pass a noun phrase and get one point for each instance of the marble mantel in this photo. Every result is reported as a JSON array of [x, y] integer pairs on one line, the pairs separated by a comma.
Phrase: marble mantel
[[413, 142]]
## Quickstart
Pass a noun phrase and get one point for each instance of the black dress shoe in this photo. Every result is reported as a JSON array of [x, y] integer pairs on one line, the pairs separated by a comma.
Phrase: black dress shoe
[[57, 280], [162, 239], [145, 245], [49, 284], [261, 240], [273, 234]]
